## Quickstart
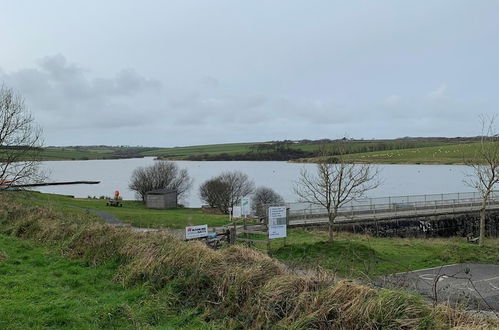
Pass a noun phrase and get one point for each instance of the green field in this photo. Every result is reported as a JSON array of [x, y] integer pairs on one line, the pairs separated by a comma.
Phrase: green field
[[448, 154], [183, 152], [41, 289], [132, 212], [404, 151]]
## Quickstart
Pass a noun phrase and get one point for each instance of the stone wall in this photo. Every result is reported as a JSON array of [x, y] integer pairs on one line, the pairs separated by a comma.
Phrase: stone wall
[[463, 225]]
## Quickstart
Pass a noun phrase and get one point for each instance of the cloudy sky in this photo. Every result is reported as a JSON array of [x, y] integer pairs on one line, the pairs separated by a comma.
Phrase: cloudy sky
[[172, 73]]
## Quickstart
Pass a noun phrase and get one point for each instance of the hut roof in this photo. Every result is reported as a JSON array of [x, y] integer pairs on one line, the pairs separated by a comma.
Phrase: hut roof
[[162, 191]]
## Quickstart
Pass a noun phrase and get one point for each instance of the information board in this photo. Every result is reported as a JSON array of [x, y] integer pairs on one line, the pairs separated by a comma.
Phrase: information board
[[237, 211], [196, 231], [277, 222]]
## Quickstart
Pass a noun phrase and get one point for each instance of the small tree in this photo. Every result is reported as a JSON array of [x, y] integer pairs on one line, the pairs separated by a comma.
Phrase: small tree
[[226, 190], [214, 192], [485, 168], [20, 141], [262, 197], [160, 175], [334, 184]]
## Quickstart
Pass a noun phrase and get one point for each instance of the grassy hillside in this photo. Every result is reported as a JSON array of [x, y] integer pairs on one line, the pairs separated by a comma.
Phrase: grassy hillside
[[231, 288], [41, 289], [447, 154], [93, 152], [183, 152], [406, 150]]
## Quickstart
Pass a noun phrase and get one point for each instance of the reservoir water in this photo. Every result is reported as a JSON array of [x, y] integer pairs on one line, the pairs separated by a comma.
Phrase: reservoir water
[[115, 175]]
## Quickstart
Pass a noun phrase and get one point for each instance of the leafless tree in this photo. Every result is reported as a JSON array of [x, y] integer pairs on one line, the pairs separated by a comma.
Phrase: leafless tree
[[160, 175], [20, 141], [485, 167], [226, 190], [262, 197], [335, 183], [214, 192]]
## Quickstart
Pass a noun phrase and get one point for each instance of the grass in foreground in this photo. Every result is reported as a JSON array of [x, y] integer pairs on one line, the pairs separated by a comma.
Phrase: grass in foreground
[[235, 287], [132, 212], [39, 288], [353, 255]]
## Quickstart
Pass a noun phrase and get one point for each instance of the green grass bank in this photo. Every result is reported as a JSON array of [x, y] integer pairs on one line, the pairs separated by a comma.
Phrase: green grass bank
[[232, 288]]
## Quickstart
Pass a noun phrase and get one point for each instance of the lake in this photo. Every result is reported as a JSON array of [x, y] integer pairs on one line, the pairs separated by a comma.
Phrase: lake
[[115, 175]]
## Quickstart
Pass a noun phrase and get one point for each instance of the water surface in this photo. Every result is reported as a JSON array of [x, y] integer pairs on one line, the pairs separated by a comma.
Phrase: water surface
[[115, 175]]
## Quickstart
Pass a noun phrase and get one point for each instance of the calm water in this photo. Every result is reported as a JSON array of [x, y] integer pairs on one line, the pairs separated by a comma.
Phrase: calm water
[[115, 175]]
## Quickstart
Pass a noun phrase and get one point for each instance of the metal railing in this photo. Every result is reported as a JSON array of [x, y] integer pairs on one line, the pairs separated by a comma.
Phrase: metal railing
[[371, 208]]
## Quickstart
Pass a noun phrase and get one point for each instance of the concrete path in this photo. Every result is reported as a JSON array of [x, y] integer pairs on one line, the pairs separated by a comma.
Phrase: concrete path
[[109, 218], [474, 285]]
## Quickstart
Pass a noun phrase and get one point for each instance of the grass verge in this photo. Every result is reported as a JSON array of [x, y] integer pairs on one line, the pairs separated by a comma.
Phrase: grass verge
[[356, 256]]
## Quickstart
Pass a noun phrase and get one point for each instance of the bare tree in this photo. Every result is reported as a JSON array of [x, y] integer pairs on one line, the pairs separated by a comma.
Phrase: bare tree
[[160, 175], [20, 141], [335, 183], [485, 165], [262, 197], [214, 192], [226, 190]]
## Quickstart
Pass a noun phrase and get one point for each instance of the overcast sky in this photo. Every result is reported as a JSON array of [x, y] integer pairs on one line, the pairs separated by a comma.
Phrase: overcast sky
[[172, 73]]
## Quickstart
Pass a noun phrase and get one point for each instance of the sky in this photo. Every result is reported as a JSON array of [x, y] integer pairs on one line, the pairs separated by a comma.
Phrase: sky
[[175, 73]]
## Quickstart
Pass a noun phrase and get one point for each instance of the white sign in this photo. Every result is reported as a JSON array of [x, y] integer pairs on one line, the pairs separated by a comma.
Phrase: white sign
[[277, 222], [237, 211], [196, 231], [245, 205]]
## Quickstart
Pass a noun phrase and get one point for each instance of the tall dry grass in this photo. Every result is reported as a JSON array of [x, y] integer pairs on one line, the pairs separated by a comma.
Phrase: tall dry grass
[[236, 285]]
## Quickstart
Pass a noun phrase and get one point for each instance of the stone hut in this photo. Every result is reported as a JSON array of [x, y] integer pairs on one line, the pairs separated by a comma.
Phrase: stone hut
[[161, 199]]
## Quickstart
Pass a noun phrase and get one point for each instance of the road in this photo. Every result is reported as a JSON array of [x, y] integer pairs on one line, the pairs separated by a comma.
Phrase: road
[[474, 285]]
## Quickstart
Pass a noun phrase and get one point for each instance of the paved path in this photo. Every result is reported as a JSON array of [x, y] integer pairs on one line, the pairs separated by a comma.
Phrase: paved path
[[475, 285], [109, 218]]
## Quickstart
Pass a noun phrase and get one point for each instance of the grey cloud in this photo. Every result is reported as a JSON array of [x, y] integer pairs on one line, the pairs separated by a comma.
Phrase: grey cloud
[[62, 93]]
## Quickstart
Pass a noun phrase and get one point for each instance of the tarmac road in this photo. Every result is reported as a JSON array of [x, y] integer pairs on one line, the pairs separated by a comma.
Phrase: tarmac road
[[474, 285]]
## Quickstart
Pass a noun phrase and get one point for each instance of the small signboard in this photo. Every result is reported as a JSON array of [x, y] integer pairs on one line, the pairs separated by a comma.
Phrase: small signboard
[[245, 206], [196, 231], [277, 222], [237, 211]]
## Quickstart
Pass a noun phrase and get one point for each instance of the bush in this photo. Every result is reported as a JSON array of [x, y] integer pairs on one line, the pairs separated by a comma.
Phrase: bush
[[161, 175], [226, 190], [262, 198]]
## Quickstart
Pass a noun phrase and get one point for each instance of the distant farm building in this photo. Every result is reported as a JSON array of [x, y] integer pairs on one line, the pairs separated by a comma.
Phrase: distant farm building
[[161, 199]]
